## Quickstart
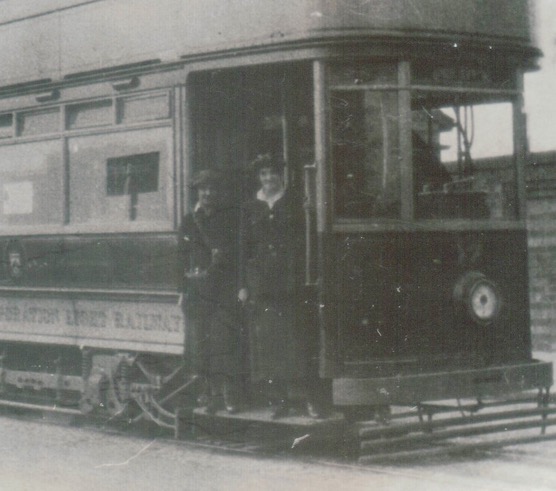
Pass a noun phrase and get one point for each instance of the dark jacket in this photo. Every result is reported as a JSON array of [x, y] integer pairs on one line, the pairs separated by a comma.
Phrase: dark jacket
[[268, 255], [210, 287], [267, 245], [209, 247]]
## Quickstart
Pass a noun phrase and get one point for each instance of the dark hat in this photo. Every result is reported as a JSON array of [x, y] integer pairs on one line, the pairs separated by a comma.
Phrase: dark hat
[[206, 177], [266, 160]]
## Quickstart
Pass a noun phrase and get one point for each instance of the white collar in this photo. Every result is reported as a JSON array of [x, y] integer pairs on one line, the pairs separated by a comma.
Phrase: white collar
[[270, 201], [199, 207]]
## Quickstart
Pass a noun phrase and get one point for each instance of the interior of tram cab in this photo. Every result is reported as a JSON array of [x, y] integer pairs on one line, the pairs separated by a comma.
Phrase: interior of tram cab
[[462, 155]]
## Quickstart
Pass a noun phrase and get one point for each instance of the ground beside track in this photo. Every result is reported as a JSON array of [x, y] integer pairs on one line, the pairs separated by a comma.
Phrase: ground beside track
[[38, 455]]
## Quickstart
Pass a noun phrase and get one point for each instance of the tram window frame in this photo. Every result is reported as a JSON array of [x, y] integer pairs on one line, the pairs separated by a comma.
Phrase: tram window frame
[[470, 187], [7, 129], [365, 152], [90, 111], [34, 173], [89, 158], [164, 111], [479, 87], [62, 203], [36, 130], [367, 180]]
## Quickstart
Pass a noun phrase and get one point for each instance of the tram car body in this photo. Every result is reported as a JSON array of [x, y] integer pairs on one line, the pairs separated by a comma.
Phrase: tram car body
[[413, 272]]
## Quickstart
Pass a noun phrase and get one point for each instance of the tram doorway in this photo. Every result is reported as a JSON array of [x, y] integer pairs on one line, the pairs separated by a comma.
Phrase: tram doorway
[[238, 114]]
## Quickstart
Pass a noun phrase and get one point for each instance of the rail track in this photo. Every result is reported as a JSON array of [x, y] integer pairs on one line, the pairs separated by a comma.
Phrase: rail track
[[424, 431]]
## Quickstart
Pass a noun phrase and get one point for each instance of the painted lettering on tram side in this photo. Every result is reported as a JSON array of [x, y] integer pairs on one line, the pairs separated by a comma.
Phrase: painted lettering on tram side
[[94, 318], [86, 318], [147, 321], [10, 313], [41, 315]]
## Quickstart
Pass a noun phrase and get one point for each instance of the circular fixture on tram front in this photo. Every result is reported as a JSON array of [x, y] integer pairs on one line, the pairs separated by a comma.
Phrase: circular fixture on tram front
[[478, 297]]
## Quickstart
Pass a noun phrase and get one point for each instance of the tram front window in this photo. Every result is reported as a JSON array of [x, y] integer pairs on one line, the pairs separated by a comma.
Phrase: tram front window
[[365, 153], [451, 141], [463, 158]]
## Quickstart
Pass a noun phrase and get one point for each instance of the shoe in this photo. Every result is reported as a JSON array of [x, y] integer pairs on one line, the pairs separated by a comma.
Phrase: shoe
[[214, 404], [230, 398], [204, 392], [232, 409], [203, 399], [314, 411], [281, 410], [211, 408]]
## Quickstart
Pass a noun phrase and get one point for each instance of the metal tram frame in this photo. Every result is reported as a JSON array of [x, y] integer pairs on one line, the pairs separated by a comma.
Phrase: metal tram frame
[[91, 276]]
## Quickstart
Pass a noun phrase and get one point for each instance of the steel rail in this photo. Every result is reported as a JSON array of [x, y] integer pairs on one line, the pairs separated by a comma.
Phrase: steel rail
[[458, 448], [40, 407], [383, 445], [386, 431]]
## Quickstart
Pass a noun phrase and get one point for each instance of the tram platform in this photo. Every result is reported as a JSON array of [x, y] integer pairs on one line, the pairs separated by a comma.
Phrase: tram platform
[[295, 431]]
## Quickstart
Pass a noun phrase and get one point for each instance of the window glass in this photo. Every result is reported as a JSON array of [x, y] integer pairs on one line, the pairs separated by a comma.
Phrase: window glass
[[122, 177], [97, 113], [6, 125], [132, 174], [463, 157], [39, 122], [143, 108], [31, 183], [365, 153]]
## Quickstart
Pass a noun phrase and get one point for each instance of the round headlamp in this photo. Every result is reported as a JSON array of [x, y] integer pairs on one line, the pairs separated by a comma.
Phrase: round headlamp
[[478, 297]]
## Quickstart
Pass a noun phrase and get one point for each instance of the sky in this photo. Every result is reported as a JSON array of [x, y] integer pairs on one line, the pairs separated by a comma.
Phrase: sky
[[540, 101], [540, 86]]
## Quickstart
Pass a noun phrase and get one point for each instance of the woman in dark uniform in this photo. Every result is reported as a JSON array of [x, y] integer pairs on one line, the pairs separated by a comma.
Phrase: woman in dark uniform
[[209, 239], [267, 276]]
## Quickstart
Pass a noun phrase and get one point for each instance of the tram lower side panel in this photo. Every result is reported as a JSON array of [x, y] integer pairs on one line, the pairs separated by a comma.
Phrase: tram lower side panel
[[108, 355]]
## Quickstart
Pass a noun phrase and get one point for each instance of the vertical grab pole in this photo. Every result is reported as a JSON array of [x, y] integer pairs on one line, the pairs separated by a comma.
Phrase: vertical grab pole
[[309, 210], [520, 146], [405, 140], [328, 352], [323, 191]]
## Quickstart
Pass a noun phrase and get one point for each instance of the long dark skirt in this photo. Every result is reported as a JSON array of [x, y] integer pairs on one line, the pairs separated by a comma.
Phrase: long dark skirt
[[212, 342], [275, 348]]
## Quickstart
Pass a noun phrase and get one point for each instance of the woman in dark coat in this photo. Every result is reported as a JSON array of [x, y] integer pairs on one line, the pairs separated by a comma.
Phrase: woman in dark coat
[[267, 276], [209, 239]]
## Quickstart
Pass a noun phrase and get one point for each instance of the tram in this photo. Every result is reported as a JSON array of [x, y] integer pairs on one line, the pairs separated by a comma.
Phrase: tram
[[403, 131]]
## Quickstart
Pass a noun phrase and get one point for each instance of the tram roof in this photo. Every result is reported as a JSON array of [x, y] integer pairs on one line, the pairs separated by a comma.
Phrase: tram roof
[[52, 39]]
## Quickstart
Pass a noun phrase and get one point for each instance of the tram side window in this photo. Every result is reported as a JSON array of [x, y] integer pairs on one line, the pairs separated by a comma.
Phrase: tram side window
[[463, 158], [143, 108], [6, 125], [31, 184], [365, 154], [131, 176], [121, 178], [38, 122], [89, 114]]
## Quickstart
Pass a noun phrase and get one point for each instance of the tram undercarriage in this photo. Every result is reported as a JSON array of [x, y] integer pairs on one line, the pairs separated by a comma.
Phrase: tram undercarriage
[[373, 418]]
